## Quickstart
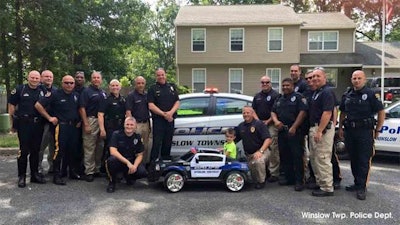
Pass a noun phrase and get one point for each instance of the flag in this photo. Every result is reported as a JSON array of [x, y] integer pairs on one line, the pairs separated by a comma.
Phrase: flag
[[389, 11]]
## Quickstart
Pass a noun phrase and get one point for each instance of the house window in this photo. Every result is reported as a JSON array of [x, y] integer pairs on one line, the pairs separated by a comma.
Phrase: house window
[[198, 79], [275, 39], [323, 40], [236, 39], [275, 75], [235, 80], [198, 40]]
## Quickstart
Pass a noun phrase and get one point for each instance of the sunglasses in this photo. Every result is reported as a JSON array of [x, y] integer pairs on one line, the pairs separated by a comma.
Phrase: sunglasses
[[265, 82], [308, 78], [69, 83]]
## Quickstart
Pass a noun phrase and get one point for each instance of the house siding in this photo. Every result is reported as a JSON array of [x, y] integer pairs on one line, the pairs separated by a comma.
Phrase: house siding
[[346, 41]]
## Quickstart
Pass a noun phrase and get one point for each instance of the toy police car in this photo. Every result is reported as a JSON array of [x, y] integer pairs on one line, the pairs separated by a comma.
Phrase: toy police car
[[202, 164]]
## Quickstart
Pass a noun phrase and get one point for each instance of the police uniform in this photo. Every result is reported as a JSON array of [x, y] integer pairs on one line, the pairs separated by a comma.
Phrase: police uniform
[[164, 97], [287, 109], [360, 107], [79, 152], [114, 115], [128, 147], [321, 152], [66, 108], [253, 135], [29, 125], [300, 86], [48, 134], [92, 143], [262, 105], [137, 103]]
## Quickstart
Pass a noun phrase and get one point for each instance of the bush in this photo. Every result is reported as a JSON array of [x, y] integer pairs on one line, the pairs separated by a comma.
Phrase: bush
[[8, 140]]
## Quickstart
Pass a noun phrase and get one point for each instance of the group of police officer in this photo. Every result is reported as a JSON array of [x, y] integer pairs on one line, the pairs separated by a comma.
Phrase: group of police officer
[[80, 119], [303, 118]]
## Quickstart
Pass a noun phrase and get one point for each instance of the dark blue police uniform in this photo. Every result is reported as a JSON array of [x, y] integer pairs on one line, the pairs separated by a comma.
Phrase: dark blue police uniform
[[128, 147], [90, 99], [29, 125], [287, 108], [360, 107], [300, 86], [65, 106], [164, 97], [263, 102], [252, 134], [138, 105]]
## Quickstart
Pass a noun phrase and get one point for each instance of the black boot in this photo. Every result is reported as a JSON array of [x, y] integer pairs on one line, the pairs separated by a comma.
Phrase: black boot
[[111, 187], [58, 180], [36, 178], [22, 181]]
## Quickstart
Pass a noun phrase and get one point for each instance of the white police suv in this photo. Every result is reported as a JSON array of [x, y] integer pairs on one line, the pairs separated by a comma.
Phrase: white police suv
[[203, 119], [389, 137]]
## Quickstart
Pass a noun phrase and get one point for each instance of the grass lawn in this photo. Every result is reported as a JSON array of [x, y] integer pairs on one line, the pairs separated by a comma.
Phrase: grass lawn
[[8, 140]]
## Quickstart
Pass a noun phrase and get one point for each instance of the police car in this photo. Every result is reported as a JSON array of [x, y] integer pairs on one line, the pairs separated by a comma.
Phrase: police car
[[203, 119], [202, 164], [388, 141]]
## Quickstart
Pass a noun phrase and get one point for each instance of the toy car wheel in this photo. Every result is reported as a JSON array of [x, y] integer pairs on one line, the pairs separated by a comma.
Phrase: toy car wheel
[[174, 181], [235, 181]]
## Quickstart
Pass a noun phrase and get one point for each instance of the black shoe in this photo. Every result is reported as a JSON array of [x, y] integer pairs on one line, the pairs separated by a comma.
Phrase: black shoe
[[50, 172], [352, 188], [74, 176], [321, 193], [36, 178], [298, 187], [272, 179], [89, 178], [336, 185], [285, 182], [313, 186], [260, 185], [100, 174], [22, 181], [58, 180], [111, 187], [361, 194], [130, 182]]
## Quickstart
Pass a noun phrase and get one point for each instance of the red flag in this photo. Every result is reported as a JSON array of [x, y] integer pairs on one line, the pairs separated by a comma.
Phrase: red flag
[[389, 11]]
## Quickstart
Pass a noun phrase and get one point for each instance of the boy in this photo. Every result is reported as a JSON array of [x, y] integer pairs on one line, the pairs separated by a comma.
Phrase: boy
[[230, 146]]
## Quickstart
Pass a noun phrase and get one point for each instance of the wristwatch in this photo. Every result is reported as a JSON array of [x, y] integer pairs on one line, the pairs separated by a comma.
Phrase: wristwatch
[[262, 151]]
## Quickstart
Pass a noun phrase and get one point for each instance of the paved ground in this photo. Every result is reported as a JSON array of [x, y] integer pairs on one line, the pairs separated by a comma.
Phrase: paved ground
[[80, 202]]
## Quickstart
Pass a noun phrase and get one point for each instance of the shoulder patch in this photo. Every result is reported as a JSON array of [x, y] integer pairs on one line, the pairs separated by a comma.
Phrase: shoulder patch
[[304, 100], [377, 95], [48, 94], [14, 91]]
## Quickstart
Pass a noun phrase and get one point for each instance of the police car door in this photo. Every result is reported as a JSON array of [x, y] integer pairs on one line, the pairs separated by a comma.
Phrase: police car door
[[207, 165], [389, 138], [191, 123]]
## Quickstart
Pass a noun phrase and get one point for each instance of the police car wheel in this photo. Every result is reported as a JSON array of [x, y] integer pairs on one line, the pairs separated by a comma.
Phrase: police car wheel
[[174, 181], [234, 181]]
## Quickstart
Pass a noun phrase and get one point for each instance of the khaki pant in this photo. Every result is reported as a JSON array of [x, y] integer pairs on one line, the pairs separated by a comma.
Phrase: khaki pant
[[144, 130], [92, 147], [320, 156], [257, 167], [274, 160]]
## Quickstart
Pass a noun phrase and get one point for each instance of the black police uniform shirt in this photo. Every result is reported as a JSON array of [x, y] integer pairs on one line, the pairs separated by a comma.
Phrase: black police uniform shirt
[[163, 96], [288, 107], [79, 90], [360, 104], [90, 100], [25, 98], [263, 102], [137, 103], [300, 86], [127, 146], [321, 100], [252, 134], [113, 107], [65, 106]]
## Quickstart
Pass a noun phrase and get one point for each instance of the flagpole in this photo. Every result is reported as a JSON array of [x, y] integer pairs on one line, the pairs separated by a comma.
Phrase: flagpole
[[383, 50]]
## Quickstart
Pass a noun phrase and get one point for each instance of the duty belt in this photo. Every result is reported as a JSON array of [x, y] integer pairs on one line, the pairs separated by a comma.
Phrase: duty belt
[[364, 123], [73, 123], [32, 119]]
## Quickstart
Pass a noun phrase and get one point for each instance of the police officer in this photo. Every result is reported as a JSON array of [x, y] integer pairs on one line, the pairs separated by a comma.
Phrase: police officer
[[163, 98], [79, 87], [89, 103], [256, 140], [126, 149], [65, 107], [288, 114], [262, 105], [321, 133], [300, 85], [46, 79], [29, 125], [138, 107], [79, 81], [358, 107], [111, 115]]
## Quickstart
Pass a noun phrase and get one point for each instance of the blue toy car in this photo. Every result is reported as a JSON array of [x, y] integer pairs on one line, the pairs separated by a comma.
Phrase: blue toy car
[[202, 164]]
